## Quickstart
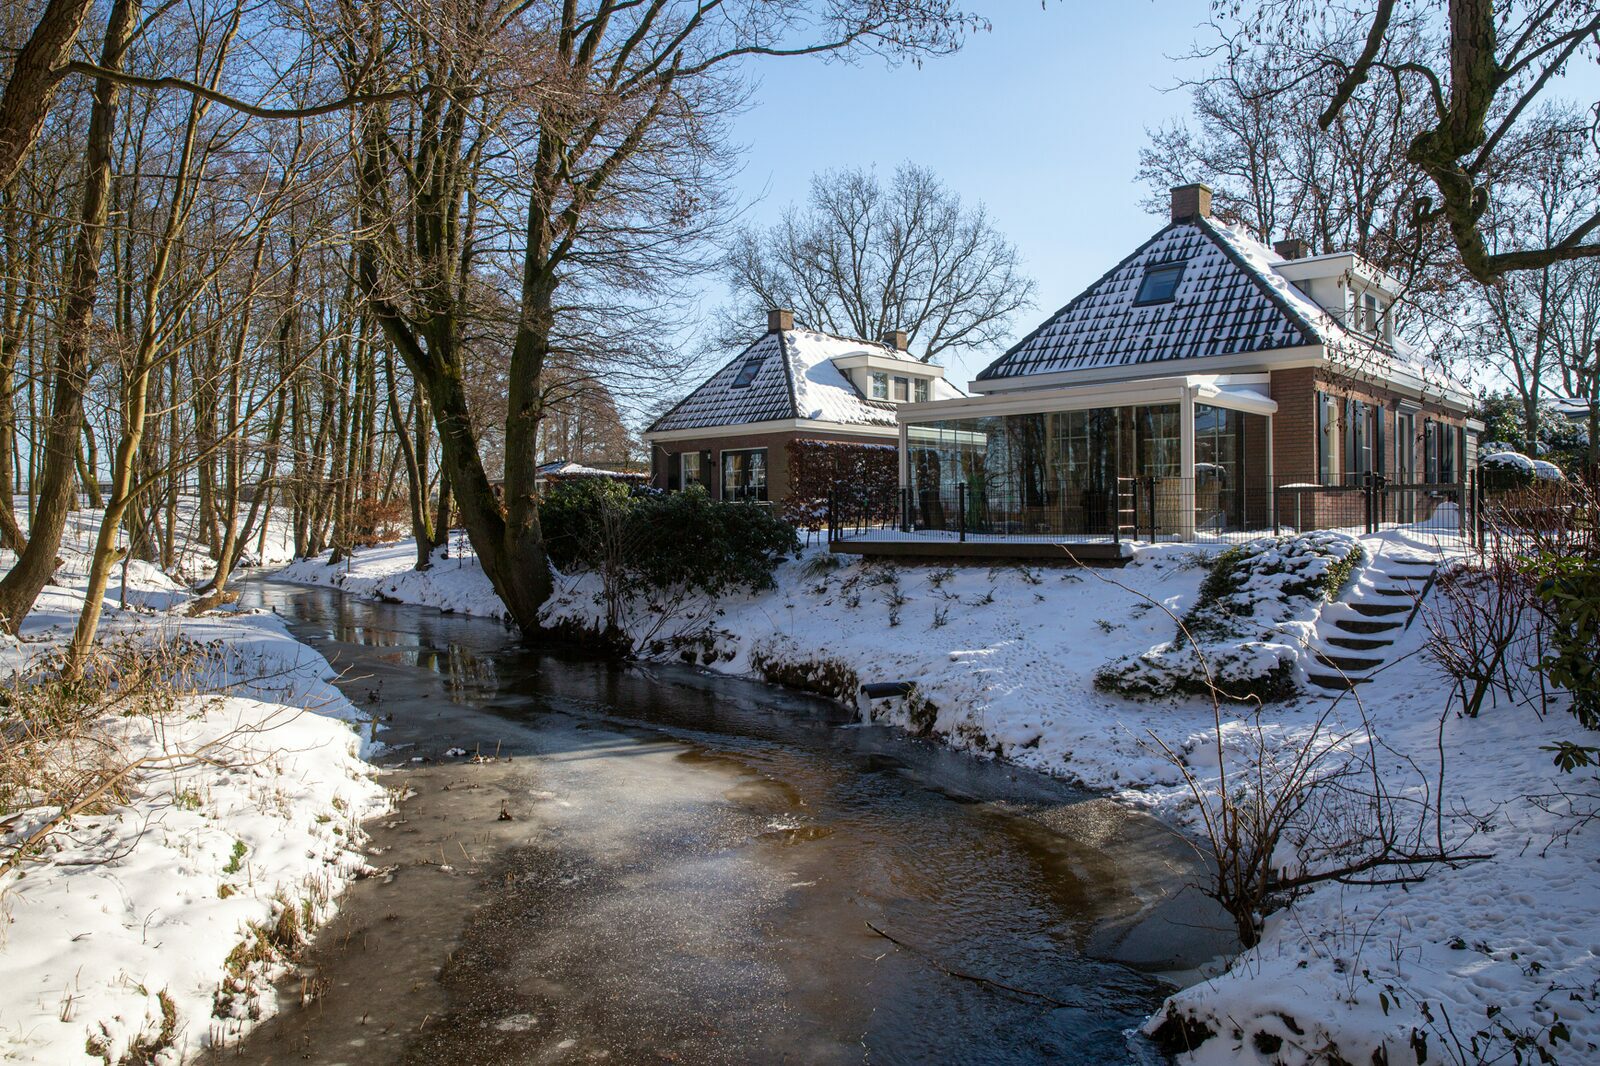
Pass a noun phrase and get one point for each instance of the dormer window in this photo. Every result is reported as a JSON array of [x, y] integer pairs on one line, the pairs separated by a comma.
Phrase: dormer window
[[919, 390], [1160, 285], [879, 386], [747, 372], [902, 389], [1371, 322]]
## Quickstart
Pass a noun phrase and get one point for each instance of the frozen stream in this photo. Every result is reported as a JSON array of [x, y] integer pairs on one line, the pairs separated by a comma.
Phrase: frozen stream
[[692, 870]]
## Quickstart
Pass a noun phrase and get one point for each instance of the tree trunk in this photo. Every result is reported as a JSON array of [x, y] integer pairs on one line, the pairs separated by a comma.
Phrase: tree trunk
[[58, 475], [32, 83], [416, 473]]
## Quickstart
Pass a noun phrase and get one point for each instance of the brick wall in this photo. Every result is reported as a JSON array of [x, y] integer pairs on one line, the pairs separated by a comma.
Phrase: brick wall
[[664, 455], [1295, 428]]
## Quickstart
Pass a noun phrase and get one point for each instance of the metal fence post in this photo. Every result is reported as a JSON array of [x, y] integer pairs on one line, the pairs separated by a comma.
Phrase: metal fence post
[[961, 510], [1273, 493], [1477, 505], [1150, 504]]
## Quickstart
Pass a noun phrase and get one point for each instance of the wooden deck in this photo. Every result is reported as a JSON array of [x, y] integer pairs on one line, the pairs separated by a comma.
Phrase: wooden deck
[[988, 550]]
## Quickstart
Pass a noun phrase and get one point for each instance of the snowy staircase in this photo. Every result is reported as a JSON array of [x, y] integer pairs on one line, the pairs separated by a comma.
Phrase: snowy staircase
[[1356, 632]]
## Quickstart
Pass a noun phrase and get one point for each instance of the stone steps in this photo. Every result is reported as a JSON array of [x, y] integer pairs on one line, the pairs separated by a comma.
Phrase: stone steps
[[1373, 631], [1336, 682], [1347, 663], [1358, 643]]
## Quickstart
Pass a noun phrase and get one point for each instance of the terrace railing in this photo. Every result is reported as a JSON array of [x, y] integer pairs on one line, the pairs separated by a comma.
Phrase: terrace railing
[[1153, 508]]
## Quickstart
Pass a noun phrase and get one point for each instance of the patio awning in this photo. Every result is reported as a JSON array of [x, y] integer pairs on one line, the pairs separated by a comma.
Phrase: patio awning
[[1235, 396]]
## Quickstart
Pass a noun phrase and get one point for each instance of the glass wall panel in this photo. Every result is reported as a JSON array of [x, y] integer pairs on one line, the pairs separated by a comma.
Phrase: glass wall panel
[[1047, 472]]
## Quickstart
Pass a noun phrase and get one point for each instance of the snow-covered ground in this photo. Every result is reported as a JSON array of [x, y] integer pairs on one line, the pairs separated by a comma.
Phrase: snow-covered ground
[[1472, 963], [454, 582], [149, 929]]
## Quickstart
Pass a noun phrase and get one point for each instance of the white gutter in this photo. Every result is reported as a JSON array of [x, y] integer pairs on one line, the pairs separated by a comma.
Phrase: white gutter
[[781, 425]]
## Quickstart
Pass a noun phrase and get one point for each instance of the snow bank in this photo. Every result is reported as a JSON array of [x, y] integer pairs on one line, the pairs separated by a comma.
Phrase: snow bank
[[454, 583], [1250, 631], [150, 929], [155, 924], [1504, 952]]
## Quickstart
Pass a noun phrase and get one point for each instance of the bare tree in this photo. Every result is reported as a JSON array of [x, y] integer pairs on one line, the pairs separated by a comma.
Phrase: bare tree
[[58, 475], [860, 259], [1275, 171], [606, 116], [30, 81], [1480, 67]]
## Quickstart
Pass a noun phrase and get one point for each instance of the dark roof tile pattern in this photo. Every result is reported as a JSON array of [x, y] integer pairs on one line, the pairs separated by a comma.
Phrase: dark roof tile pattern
[[1221, 307]]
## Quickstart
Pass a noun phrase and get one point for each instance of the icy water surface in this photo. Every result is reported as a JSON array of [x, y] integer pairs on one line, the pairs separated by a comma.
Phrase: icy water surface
[[667, 866]]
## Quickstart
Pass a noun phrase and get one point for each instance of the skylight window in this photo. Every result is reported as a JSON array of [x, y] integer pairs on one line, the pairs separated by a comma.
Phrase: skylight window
[[747, 372], [1160, 284]]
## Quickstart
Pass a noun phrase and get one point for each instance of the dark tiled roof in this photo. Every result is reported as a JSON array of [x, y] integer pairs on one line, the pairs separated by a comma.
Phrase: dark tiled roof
[[1222, 306], [793, 377]]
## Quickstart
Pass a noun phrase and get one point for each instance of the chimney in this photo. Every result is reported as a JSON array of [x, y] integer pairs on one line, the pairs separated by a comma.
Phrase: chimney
[[1191, 201], [779, 319], [1292, 248], [896, 339]]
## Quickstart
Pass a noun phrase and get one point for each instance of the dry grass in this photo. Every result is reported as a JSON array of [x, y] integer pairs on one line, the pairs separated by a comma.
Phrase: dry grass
[[56, 752]]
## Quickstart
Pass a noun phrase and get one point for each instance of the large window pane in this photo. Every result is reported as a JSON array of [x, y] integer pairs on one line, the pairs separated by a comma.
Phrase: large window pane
[[744, 475]]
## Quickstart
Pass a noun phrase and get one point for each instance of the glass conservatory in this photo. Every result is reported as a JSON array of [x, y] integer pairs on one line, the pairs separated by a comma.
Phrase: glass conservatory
[[1075, 467]]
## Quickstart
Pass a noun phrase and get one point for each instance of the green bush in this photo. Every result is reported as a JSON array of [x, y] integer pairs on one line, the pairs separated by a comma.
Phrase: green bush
[[1569, 591], [569, 517], [664, 540], [687, 539]]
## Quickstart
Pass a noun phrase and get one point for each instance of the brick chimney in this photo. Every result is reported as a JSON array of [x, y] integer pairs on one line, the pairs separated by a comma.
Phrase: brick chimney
[[896, 339], [1191, 201], [779, 319], [1293, 248]]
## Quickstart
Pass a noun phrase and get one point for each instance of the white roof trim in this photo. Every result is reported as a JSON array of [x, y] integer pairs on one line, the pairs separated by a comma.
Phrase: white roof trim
[[1261, 362], [1213, 390], [784, 425]]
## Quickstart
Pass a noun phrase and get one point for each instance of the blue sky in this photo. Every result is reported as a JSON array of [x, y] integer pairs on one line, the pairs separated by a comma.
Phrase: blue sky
[[1041, 119]]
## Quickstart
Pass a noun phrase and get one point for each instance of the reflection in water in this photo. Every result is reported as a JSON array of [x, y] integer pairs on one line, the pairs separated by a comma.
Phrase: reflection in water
[[707, 855]]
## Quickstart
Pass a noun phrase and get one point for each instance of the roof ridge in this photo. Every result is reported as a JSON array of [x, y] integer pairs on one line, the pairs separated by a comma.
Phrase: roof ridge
[[853, 340], [1309, 333], [788, 374]]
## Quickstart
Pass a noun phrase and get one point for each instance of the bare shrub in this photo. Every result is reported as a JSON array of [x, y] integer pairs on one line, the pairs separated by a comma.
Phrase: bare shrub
[[1285, 813], [1482, 631], [55, 754]]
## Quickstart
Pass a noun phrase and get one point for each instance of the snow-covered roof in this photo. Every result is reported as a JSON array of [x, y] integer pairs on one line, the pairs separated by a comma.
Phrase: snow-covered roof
[[789, 374], [1229, 300], [567, 468]]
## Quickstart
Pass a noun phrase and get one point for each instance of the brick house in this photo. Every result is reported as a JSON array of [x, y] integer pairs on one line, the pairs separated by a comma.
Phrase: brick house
[[1218, 369], [731, 433]]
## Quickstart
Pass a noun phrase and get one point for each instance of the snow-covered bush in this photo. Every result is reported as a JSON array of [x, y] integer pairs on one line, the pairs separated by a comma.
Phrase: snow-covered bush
[[1547, 471], [1244, 634], [1506, 471]]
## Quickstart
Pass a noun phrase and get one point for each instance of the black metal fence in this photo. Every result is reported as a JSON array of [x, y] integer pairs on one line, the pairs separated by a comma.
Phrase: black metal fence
[[1153, 509]]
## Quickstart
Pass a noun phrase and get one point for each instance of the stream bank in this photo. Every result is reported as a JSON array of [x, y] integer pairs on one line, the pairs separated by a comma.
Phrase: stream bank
[[652, 863]]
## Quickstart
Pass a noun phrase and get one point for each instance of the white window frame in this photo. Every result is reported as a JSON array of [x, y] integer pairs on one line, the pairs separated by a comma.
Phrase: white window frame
[[878, 385], [902, 389], [683, 469], [920, 390]]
